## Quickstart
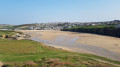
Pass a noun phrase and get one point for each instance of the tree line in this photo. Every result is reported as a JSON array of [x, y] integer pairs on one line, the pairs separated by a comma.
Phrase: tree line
[[109, 30]]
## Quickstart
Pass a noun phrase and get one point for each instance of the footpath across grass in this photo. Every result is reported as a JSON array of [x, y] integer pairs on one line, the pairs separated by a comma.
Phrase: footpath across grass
[[27, 53]]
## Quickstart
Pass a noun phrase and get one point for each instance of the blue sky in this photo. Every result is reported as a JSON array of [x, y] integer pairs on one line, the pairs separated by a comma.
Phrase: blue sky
[[38, 11]]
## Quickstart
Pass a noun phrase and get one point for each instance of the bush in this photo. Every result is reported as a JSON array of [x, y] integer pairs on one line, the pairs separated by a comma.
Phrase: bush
[[103, 30]]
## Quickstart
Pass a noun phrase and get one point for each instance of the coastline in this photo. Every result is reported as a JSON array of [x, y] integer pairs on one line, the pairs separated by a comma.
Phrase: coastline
[[67, 41]]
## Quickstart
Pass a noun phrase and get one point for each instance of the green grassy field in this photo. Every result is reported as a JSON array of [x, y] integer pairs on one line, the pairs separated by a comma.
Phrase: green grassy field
[[27, 53], [6, 27], [4, 32]]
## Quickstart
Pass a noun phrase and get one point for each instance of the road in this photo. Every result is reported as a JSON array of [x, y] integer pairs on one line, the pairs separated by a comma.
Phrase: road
[[79, 42]]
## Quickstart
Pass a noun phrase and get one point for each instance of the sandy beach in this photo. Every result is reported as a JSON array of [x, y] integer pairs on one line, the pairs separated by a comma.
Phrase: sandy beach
[[105, 46]]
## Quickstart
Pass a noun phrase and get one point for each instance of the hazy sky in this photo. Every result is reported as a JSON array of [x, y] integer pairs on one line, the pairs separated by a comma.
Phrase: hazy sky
[[36, 11]]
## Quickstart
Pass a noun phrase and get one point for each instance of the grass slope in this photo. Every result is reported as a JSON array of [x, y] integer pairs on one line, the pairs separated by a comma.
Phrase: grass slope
[[27, 53], [4, 32], [6, 27]]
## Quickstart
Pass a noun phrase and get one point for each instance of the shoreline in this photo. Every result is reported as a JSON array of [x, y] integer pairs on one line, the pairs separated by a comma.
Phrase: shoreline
[[83, 44]]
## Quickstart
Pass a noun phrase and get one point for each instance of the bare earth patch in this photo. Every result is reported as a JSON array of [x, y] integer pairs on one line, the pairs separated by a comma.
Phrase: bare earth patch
[[1, 64]]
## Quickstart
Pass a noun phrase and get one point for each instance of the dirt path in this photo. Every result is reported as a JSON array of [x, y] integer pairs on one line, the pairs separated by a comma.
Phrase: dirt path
[[80, 42]]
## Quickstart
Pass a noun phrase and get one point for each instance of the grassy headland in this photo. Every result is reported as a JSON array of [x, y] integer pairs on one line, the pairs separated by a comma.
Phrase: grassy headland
[[27, 53]]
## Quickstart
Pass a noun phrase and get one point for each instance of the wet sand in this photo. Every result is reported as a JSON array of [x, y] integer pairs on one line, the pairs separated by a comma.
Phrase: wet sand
[[79, 42]]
